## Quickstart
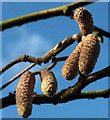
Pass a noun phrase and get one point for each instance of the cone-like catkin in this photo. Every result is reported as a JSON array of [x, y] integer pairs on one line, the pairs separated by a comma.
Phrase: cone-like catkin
[[48, 82], [70, 68], [89, 54], [24, 94], [84, 19]]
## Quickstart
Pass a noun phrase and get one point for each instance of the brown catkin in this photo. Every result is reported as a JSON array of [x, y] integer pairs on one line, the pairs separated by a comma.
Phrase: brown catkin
[[70, 68], [24, 93], [89, 54], [84, 19], [48, 82]]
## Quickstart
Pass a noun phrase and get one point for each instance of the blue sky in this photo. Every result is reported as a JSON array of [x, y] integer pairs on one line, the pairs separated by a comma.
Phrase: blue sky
[[37, 38]]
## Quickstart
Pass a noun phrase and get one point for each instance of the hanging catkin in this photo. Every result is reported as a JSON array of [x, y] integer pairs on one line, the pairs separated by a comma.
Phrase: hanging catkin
[[48, 82], [84, 19], [24, 94], [89, 54], [70, 68]]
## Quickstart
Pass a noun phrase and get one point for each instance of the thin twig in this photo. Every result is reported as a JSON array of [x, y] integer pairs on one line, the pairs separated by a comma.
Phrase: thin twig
[[57, 60], [53, 64], [18, 75], [102, 32], [23, 58]]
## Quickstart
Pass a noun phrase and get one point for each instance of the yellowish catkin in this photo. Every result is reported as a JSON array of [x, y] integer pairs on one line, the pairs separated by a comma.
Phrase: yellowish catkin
[[24, 93], [48, 82], [70, 68], [84, 19], [89, 54]]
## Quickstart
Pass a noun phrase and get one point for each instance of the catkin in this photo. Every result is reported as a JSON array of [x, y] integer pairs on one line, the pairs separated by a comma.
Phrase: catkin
[[24, 94], [48, 82], [70, 68], [84, 19], [89, 54]]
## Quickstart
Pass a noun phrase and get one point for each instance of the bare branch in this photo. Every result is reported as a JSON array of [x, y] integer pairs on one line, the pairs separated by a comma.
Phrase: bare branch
[[44, 59], [42, 15], [64, 10], [42, 99], [37, 72], [86, 80], [23, 58]]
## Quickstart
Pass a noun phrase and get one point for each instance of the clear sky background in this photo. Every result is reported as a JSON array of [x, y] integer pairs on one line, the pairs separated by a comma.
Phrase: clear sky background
[[37, 38]]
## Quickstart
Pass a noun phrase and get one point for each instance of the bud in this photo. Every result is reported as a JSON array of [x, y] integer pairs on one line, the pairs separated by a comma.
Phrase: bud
[[70, 68], [48, 82], [84, 19], [24, 93], [89, 54]]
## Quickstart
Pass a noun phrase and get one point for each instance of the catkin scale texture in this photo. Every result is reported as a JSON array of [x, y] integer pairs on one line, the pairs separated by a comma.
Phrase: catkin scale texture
[[89, 54], [24, 94], [84, 19], [70, 68], [48, 82]]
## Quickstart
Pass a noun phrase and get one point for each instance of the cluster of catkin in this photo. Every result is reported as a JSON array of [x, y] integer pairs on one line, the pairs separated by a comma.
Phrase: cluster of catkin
[[84, 56], [82, 59], [25, 89]]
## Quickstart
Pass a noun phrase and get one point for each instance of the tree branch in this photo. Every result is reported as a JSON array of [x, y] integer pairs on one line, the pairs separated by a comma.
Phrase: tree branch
[[65, 10], [86, 80], [44, 59], [23, 58], [17, 76], [42, 99], [42, 15], [36, 72], [71, 93]]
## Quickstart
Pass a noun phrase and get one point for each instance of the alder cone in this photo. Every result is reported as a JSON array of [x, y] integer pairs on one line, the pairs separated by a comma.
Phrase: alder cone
[[24, 93], [89, 54], [85, 20], [70, 68], [48, 82]]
